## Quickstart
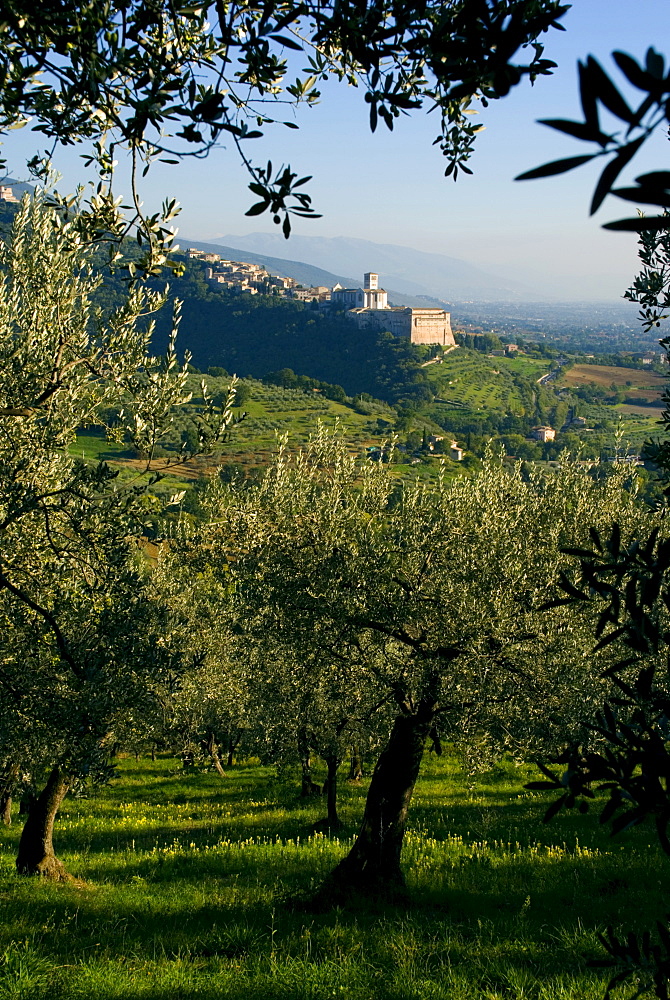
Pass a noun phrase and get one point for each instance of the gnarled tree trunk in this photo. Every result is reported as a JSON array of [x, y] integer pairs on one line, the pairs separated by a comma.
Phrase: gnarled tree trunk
[[8, 781], [213, 751], [36, 851], [330, 791], [372, 866], [355, 765]]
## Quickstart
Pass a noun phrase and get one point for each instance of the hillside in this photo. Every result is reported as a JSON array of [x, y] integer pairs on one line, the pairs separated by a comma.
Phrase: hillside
[[478, 399], [479, 382], [269, 410], [306, 274], [376, 385], [254, 335]]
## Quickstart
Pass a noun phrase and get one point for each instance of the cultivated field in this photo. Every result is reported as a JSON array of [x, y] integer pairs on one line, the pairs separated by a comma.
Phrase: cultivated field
[[196, 888], [624, 378], [270, 410]]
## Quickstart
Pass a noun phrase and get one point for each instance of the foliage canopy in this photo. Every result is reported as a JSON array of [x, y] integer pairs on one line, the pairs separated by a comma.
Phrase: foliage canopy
[[165, 80]]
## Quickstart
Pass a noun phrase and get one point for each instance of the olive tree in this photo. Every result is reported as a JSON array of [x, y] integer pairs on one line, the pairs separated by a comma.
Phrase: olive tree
[[83, 635], [601, 97], [429, 603], [311, 701], [269, 689], [202, 714]]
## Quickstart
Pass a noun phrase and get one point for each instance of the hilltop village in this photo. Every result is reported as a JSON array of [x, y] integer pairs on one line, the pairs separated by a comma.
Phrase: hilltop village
[[367, 306]]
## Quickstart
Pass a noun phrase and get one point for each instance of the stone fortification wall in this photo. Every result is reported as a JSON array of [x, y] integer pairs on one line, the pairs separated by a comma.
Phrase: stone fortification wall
[[431, 326], [421, 326]]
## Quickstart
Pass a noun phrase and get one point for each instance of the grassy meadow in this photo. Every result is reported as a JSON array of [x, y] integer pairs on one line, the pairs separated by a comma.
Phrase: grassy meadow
[[193, 886]]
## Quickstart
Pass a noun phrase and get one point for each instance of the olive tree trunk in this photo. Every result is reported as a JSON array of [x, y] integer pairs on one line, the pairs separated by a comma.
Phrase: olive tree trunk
[[355, 766], [6, 808], [307, 786], [213, 751], [36, 851], [372, 866], [330, 791], [8, 781], [233, 743]]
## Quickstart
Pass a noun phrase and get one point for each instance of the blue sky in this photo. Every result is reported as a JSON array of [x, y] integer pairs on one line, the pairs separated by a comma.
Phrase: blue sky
[[390, 188]]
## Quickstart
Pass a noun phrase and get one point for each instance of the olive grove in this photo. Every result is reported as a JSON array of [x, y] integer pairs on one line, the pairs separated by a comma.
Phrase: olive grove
[[361, 611], [84, 635], [324, 608]]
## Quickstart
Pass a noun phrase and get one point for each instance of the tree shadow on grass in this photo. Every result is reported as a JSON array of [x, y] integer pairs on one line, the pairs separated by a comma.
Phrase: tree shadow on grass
[[268, 940], [496, 912]]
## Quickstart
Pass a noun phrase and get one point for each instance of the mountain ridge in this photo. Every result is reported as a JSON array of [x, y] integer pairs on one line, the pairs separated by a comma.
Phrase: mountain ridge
[[306, 274], [407, 270]]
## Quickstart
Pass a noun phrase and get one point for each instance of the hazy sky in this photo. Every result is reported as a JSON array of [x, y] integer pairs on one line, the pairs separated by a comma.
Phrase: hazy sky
[[390, 188]]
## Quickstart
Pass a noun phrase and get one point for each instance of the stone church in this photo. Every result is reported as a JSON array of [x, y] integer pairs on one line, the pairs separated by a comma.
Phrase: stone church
[[368, 306]]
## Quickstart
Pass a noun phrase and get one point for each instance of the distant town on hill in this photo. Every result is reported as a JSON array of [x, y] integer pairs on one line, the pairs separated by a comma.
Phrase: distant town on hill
[[590, 326]]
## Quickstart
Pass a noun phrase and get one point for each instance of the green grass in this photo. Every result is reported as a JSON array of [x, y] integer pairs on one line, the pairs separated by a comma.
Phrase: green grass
[[521, 364], [189, 886]]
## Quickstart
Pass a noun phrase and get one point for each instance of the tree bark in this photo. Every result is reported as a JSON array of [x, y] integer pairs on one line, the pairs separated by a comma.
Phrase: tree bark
[[213, 751], [330, 791], [308, 787], [355, 766], [36, 852], [372, 866], [8, 783], [233, 743], [6, 808]]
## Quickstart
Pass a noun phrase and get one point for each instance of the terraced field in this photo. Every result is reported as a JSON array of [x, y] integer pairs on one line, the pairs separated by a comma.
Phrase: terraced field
[[479, 382], [466, 383], [269, 410]]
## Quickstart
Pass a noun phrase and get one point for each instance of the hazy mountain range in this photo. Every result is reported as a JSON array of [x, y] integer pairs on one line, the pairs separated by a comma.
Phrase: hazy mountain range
[[306, 274], [402, 269]]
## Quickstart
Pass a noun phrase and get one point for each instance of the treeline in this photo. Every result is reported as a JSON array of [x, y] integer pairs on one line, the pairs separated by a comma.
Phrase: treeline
[[287, 379], [543, 408], [487, 342]]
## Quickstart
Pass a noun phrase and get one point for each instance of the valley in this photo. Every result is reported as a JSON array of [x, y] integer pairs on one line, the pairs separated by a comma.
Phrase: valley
[[474, 400], [507, 377]]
